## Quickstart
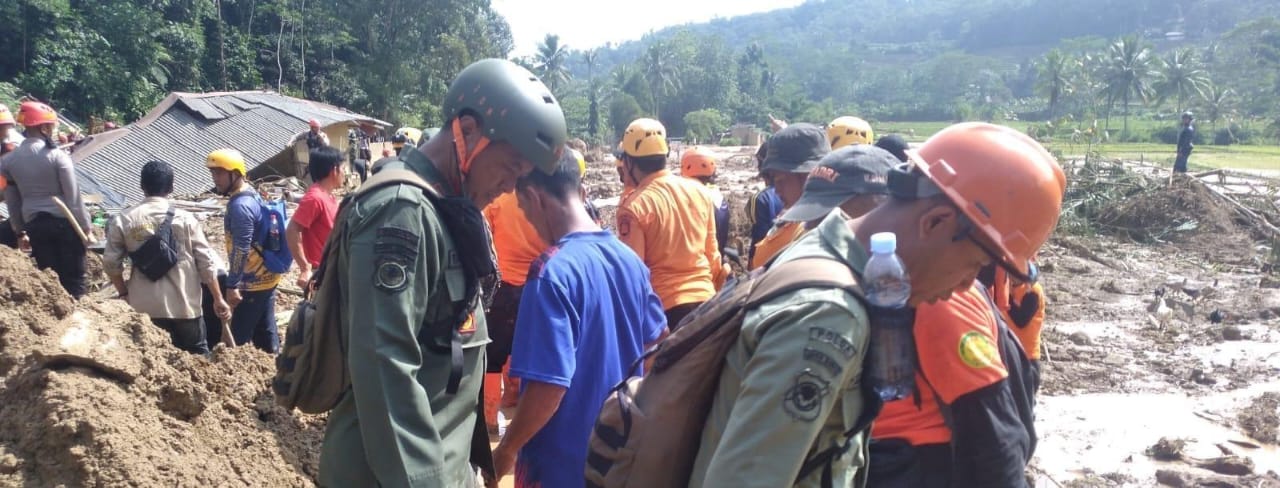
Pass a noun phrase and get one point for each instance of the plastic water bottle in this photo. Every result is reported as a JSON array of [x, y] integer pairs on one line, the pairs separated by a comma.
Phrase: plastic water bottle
[[273, 235], [892, 369]]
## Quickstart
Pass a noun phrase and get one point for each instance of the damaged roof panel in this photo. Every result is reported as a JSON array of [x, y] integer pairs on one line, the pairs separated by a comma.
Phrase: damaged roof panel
[[185, 127]]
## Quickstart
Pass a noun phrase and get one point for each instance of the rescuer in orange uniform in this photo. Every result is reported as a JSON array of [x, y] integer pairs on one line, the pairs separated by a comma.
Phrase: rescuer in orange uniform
[[668, 222]]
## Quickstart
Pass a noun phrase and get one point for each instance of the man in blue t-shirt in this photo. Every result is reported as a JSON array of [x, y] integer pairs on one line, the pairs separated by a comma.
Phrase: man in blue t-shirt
[[764, 206], [586, 315]]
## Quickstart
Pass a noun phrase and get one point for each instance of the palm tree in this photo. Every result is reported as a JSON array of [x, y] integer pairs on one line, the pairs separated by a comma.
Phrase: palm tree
[[661, 72], [1217, 103], [1054, 78], [1128, 74], [1181, 77], [593, 93], [550, 62]]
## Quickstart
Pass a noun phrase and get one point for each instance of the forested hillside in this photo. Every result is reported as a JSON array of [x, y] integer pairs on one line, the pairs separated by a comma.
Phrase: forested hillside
[[1069, 63], [114, 59], [939, 60]]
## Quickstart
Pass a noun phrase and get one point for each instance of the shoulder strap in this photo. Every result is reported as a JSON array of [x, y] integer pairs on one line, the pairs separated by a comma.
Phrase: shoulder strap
[[797, 274], [393, 176], [167, 227], [386, 177]]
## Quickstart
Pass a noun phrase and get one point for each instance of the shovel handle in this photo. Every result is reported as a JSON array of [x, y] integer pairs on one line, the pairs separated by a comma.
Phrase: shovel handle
[[72, 219]]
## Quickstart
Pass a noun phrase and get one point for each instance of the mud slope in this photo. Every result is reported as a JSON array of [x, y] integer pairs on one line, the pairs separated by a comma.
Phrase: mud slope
[[94, 395]]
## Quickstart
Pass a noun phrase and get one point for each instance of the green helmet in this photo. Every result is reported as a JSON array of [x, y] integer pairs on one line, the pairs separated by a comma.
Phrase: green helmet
[[513, 106]]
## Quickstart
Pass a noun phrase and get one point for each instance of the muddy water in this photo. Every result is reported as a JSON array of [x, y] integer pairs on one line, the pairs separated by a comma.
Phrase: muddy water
[[1110, 432]]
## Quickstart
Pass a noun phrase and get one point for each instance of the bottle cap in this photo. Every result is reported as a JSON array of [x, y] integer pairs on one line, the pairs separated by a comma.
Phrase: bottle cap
[[884, 243]]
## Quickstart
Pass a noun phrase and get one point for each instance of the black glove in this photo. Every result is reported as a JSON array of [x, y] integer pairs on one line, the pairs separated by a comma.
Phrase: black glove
[[1022, 313]]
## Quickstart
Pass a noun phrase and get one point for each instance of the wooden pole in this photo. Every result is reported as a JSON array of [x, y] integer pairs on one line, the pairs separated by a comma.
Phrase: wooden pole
[[75, 224]]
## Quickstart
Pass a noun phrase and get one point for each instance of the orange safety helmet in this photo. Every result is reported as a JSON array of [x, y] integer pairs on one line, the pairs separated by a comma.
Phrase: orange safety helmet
[[1004, 181], [6, 117], [696, 164], [31, 114]]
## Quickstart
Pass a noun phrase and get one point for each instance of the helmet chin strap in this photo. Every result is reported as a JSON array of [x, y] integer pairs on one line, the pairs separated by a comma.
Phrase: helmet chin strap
[[465, 157]]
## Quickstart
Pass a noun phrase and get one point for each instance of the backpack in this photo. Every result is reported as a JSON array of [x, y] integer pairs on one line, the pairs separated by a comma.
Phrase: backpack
[[268, 234], [649, 429], [310, 374], [311, 369], [159, 253], [314, 140]]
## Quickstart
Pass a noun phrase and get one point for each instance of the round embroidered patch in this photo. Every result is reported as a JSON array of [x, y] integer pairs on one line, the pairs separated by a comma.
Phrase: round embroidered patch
[[391, 276], [805, 396], [977, 350]]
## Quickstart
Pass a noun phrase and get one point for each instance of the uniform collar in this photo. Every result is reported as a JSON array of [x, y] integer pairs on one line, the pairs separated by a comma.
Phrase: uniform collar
[[417, 162], [655, 175], [835, 236]]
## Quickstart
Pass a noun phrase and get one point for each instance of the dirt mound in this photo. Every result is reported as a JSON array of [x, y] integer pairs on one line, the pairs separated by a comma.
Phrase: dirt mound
[[1185, 214], [1172, 213], [96, 396]]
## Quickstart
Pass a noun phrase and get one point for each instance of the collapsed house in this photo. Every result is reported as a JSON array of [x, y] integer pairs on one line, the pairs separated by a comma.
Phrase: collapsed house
[[185, 127]]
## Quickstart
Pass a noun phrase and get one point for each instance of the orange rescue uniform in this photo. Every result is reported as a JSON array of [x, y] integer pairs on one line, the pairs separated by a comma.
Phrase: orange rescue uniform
[[777, 240], [956, 341], [514, 238], [668, 222], [1007, 296]]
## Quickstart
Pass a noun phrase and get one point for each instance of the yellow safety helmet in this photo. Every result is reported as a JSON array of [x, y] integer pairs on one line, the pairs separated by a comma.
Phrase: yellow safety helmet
[[228, 159], [6, 117], [582, 162], [645, 137], [847, 130]]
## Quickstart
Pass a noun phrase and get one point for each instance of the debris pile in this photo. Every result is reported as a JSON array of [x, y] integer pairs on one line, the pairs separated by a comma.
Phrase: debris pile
[[1176, 212], [95, 395]]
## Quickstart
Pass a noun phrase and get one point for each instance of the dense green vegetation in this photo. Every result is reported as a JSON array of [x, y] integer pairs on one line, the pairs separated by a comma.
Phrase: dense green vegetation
[[114, 59], [1062, 64]]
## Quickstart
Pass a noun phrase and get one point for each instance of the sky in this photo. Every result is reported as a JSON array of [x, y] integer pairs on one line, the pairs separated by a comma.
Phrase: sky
[[599, 21]]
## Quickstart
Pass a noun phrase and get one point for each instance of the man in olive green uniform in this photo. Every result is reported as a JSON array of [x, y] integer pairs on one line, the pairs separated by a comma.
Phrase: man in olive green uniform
[[416, 365], [790, 386]]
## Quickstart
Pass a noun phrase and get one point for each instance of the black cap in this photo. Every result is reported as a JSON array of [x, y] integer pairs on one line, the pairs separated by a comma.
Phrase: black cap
[[896, 145], [860, 169], [796, 149]]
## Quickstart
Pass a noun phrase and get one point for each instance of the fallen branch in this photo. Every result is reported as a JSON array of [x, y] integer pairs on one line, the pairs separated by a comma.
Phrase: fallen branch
[[1250, 215], [1084, 251]]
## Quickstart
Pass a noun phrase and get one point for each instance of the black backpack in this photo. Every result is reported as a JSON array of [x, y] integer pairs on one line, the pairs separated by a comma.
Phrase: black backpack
[[159, 253]]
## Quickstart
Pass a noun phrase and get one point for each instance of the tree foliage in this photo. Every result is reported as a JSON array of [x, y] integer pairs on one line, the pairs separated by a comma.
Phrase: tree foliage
[[116, 58]]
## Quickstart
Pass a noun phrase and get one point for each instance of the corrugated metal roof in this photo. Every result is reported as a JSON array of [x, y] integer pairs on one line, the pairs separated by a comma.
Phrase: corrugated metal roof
[[258, 124]]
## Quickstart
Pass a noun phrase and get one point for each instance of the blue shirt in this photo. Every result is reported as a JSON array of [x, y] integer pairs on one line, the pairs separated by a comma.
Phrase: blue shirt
[[762, 210], [586, 313]]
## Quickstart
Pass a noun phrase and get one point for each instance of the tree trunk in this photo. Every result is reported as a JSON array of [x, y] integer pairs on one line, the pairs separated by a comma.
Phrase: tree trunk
[[279, 67], [1126, 112], [222, 45], [302, 15]]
